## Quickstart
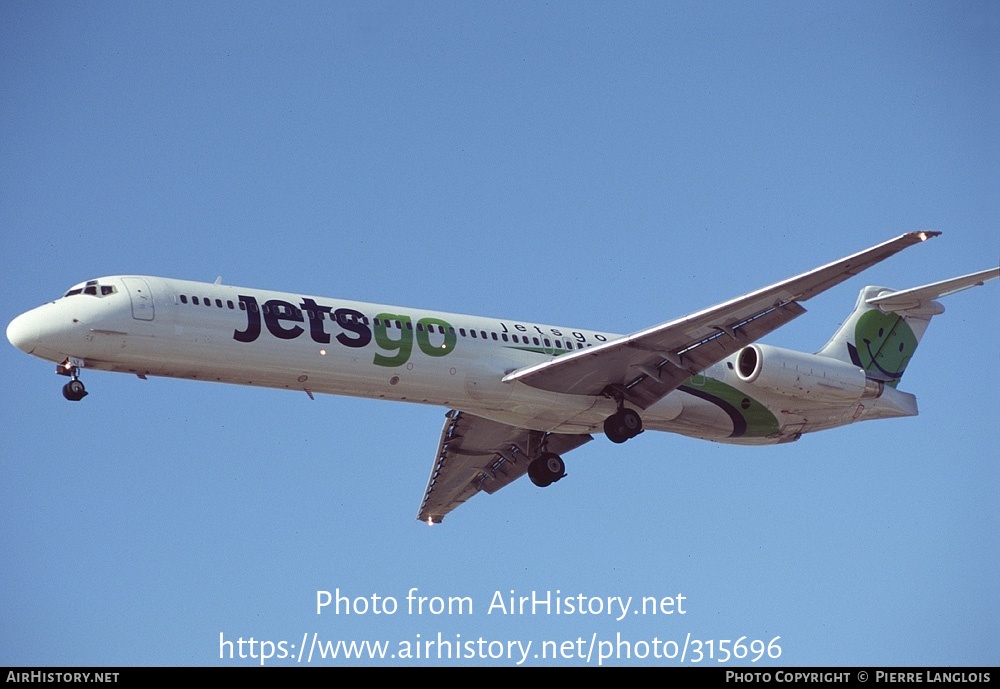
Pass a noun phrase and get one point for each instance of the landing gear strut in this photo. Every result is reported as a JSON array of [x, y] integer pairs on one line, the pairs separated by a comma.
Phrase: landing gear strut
[[74, 390], [546, 469]]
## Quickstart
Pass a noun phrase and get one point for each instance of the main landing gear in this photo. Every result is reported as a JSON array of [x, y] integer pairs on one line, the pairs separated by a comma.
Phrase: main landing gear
[[624, 423], [546, 469], [73, 390]]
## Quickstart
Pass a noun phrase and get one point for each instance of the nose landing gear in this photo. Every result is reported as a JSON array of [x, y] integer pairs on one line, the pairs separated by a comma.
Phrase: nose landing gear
[[74, 390]]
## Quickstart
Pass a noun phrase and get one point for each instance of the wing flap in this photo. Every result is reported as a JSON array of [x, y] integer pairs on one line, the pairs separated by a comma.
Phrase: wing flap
[[685, 346], [664, 376], [476, 454]]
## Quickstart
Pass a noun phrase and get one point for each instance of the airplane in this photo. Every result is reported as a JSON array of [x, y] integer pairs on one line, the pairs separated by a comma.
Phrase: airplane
[[520, 394]]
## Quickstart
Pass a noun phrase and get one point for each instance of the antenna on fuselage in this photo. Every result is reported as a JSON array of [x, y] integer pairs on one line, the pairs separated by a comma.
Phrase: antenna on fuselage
[[218, 281]]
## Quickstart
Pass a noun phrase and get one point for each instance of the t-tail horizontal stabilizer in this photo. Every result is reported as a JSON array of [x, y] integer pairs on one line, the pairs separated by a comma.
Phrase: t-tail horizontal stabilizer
[[882, 333], [917, 298]]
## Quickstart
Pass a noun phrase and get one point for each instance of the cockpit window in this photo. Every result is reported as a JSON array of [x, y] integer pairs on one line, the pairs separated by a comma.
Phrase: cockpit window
[[92, 288]]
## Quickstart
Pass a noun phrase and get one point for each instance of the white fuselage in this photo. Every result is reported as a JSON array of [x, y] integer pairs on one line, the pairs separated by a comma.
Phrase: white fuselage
[[153, 326]]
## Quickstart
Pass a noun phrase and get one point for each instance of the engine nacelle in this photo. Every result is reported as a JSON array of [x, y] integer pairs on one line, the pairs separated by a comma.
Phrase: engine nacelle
[[804, 376]]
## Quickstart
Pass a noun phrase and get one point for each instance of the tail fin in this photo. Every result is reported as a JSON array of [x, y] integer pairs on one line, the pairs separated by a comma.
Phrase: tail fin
[[883, 331]]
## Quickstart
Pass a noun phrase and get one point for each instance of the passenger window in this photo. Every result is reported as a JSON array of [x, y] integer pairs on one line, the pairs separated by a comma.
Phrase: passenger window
[[184, 299], [218, 302], [194, 300]]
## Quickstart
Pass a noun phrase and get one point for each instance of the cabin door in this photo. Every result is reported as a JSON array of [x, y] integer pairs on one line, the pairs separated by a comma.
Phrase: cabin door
[[142, 298]]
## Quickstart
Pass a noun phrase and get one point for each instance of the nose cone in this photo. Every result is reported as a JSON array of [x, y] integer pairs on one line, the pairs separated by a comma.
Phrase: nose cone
[[23, 332]]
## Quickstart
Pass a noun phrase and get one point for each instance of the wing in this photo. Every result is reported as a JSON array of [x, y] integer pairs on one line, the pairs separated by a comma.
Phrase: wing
[[476, 454], [647, 365]]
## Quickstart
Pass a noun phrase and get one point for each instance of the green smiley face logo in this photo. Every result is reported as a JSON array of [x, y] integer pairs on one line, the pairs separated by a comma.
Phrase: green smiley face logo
[[884, 343]]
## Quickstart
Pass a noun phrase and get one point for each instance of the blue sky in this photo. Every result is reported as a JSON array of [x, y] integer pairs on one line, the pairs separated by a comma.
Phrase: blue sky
[[594, 165]]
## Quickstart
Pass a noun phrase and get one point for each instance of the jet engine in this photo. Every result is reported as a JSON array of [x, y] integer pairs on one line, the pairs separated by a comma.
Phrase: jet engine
[[804, 376]]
